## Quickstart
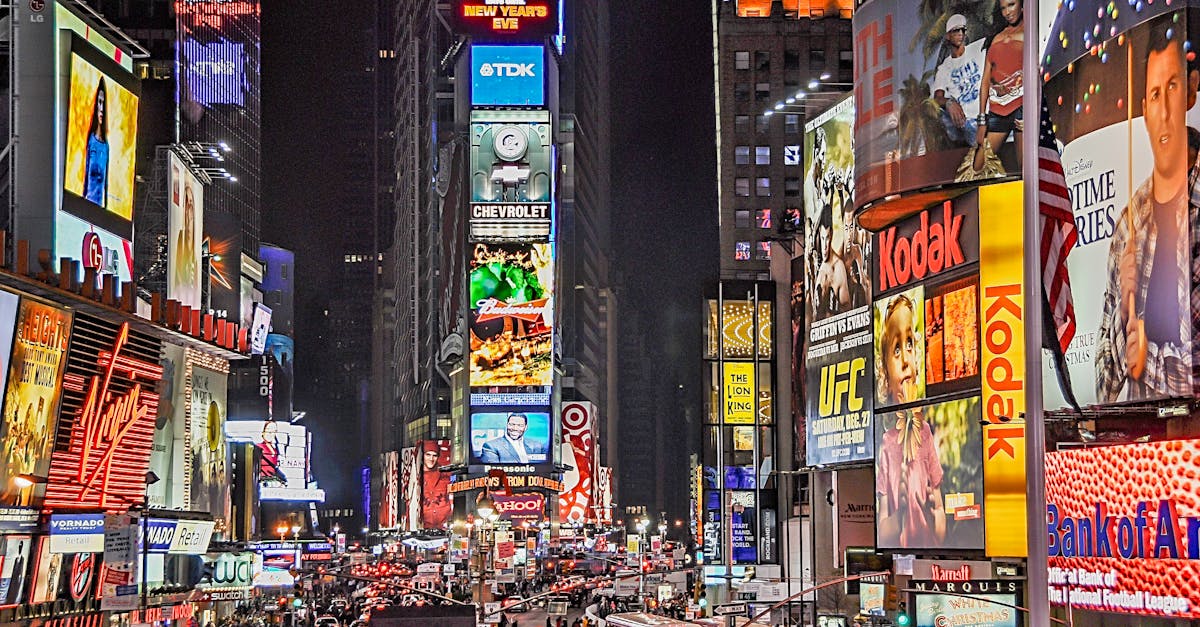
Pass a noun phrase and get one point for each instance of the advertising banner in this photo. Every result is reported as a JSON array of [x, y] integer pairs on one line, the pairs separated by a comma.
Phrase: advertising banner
[[209, 457], [32, 393], [47, 572], [76, 533], [507, 76], [738, 392], [119, 588], [854, 516], [410, 490], [920, 73], [579, 452], [223, 234], [517, 437], [512, 314], [1124, 111], [1123, 524], [284, 466], [743, 525], [14, 571], [282, 350], [604, 501], [929, 477], [436, 506], [520, 507], [170, 431], [178, 537], [511, 174], [389, 499], [978, 610], [1002, 362], [506, 20], [835, 271], [185, 234]]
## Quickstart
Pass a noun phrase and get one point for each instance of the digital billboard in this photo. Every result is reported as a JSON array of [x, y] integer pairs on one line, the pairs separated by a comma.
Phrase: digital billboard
[[260, 325], [1123, 524], [926, 76], [506, 20], [213, 71], [929, 477], [835, 272], [410, 489], [508, 76], [516, 437], [389, 498], [284, 469], [223, 235], [512, 175], [38, 335], [527, 507], [580, 452], [1124, 110], [185, 234], [282, 351], [208, 459], [436, 507], [512, 314]]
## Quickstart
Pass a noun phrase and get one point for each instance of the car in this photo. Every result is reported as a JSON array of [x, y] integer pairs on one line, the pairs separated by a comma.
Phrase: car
[[327, 621]]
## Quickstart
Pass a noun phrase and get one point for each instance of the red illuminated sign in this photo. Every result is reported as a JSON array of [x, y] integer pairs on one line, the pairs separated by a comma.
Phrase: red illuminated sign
[[83, 565], [520, 507], [112, 431], [507, 20], [492, 309]]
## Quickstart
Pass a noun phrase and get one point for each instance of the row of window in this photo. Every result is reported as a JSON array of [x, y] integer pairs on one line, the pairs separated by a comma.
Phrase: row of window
[[762, 155], [817, 58], [761, 251], [762, 186], [765, 219], [762, 123]]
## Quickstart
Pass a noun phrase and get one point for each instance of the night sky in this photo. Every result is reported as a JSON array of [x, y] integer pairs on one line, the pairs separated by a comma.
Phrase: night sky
[[664, 189]]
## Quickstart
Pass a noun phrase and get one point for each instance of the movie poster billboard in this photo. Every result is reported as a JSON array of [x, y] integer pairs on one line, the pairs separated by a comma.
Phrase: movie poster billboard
[[185, 234], [410, 489], [15, 570], [929, 477], [919, 74], [512, 175], [209, 457], [579, 452], [389, 498], [436, 506], [282, 351], [836, 312], [32, 392], [512, 314], [1124, 111], [223, 234], [1122, 536]]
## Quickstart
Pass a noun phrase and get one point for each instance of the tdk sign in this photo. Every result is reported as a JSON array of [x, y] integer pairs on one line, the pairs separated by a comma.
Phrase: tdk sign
[[508, 76]]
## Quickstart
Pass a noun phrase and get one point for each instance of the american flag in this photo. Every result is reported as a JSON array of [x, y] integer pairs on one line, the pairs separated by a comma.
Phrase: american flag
[[1058, 234]]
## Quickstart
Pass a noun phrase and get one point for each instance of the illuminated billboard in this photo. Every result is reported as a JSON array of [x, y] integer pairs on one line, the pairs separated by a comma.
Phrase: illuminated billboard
[[33, 365], [410, 489], [285, 465], [836, 297], [520, 436], [208, 459], [511, 174], [508, 76], [185, 234], [580, 452], [1123, 108], [929, 477], [512, 314], [389, 498], [919, 72], [213, 71], [436, 506], [1123, 524], [506, 20]]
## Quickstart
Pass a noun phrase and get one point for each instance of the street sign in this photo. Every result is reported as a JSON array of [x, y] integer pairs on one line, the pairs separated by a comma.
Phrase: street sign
[[730, 609]]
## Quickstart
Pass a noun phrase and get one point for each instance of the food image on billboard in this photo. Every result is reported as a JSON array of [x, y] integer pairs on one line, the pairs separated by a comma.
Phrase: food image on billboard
[[185, 234], [929, 476], [505, 20], [516, 437], [32, 392], [101, 140], [436, 506], [209, 457], [508, 76], [1126, 160], [952, 332], [835, 270], [930, 73], [512, 314], [511, 174], [1123, 524]]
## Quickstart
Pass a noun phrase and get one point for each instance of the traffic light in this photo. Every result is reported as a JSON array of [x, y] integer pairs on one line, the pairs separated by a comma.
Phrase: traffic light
[[902, 617], [891, 598]]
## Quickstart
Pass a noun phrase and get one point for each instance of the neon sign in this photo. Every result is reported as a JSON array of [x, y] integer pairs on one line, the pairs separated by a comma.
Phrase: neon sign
[[507, 20]]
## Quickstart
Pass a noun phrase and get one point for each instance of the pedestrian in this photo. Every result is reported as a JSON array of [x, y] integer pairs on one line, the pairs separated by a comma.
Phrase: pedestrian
[[503, 620], [548, 623]]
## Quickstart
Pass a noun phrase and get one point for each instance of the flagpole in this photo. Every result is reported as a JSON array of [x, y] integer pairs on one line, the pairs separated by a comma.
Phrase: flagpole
[[1037, 578]]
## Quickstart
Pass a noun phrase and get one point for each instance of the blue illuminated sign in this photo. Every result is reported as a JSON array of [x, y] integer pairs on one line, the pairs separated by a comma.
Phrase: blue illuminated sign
[[508, 75]]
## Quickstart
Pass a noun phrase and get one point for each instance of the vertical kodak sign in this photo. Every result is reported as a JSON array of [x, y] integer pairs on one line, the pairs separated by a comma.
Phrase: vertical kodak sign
[[1001, 306]]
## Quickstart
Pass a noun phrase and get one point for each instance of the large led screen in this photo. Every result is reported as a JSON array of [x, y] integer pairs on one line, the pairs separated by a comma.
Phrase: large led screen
[[1124, 109], [185, 235], [512, 314], [1123, 524], [580, 451], [929, 477], [515, 437], [978, 610], [389, 493], [919, 71], [506, 20], [512, 174], [508, 75], [214, 71], [101, 140], [284, 468]]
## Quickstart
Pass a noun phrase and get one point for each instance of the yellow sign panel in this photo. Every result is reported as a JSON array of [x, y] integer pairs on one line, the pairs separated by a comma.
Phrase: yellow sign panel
[[1002, 309], [739, 393]]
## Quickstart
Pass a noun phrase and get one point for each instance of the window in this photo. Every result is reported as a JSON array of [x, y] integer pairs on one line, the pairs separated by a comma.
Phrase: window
[[816, 59], [791, 186], [741, 123], [741, 251], [792, 219], [762, 124], [741, 186], [741, 155], [741, 60], [762, 60], [818, 27], [846, 61], [762, 155], [741, 219], [791, 123], [791, 155], [791, 60], [764, 218], [762, 91], [764, 251], [762, 186], [741, 92]]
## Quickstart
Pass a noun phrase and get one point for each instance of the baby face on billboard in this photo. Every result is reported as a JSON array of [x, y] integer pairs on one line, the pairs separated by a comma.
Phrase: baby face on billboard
[[898, 350]]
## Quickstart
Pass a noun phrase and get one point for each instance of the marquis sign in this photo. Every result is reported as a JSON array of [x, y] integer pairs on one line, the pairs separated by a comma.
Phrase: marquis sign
[[506, 20]]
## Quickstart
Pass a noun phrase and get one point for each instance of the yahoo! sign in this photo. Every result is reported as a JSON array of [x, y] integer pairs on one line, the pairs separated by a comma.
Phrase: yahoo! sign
[[520, 507]]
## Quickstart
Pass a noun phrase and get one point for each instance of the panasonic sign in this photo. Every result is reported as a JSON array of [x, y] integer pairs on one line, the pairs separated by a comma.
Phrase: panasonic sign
[[508, 76]]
